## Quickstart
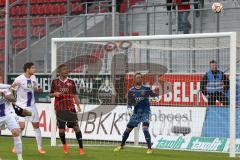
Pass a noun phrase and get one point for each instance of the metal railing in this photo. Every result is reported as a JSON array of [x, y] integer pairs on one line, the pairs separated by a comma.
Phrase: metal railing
[[144, 23], [101, 5]]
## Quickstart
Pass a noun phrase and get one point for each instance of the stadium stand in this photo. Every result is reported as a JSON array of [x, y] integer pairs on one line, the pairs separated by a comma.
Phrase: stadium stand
[[39, 9], [134, 23]]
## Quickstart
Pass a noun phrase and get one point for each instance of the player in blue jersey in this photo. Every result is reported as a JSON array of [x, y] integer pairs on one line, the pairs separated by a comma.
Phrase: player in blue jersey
[[138, 96]]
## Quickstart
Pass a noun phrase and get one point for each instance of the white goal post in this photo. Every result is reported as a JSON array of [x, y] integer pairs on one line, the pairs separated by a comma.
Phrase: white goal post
[[144, 43]]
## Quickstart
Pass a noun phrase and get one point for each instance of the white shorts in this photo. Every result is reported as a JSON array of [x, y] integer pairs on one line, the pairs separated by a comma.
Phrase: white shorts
[[10, 121], [33, 118]]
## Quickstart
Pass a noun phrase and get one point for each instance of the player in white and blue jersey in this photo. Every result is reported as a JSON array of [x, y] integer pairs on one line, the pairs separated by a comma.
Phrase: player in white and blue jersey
[[27, 85], [8, 119], [138, 97]]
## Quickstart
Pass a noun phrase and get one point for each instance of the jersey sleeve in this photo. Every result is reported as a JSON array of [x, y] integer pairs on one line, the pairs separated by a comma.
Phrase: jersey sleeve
[[17, 80], [34, 80], [130, 99]]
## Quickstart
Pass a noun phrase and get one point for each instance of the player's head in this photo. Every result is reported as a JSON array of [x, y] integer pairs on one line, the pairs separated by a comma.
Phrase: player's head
[[62, 70], [138, 78], [29, 68], [213, 65]]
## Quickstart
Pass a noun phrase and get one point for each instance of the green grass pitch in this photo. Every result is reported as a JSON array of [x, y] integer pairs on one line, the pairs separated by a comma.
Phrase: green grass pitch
[[99, 153]]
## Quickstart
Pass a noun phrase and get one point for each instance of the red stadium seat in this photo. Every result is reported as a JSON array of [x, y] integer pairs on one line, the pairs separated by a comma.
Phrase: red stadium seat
[[15, 23], [2, 44], [41, 1], [61, 1], [63, 9], [41, 9], [2, 57], [15, 33], [2, 23], [81, 8], [135, 33], [55, 9], [34, 22], [134, 2], [12, 1], [23, 22], [42, 32], [19, 22], [22, 10], [17, 10], [2, 2], [13, 11], [34, 10], [19, 44], [2, 33], [48, 8], [74, 7], [33, 1], [38, 21], [23, 44], [42, 21], [77, 7], [123, 8], [23, 33], [55, 21], [23, 2], [34, 32]]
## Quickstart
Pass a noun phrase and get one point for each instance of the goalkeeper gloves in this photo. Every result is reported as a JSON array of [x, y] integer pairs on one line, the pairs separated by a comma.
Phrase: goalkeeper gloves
[[129, 111]]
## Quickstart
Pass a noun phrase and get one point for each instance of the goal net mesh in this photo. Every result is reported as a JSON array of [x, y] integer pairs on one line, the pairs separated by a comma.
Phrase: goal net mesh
[[103, 73]]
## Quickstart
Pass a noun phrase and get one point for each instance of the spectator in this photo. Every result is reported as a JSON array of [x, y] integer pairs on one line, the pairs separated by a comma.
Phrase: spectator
[[118, 3], [170, 7], [214, 85], [183, 13], [198, 4]]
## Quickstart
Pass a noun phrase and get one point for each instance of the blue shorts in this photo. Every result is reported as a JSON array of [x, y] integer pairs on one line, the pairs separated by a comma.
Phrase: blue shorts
[[137, 118]]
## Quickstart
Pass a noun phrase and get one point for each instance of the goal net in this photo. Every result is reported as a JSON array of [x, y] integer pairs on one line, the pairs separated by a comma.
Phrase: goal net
[[189, 113]]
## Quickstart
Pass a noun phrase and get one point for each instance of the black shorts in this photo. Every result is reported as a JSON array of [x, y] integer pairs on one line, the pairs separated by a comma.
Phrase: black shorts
[[66, 117]]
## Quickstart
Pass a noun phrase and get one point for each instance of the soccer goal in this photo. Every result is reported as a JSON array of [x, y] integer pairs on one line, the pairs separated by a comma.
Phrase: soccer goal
[[181, 116]]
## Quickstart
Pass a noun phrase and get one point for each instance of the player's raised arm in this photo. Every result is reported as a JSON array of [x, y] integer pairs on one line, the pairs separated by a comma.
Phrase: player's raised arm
[[154, 93]]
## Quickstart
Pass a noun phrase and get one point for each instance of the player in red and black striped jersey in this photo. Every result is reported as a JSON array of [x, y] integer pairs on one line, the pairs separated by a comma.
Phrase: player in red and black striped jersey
[[64, 91]]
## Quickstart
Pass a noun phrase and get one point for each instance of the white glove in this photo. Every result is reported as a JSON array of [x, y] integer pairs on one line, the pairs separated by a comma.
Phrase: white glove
[[129, 111]]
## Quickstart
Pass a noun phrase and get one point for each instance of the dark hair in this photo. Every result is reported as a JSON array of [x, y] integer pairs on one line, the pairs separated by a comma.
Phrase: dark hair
[[27, 65], [61, 66], [138, 73], [213, 61]]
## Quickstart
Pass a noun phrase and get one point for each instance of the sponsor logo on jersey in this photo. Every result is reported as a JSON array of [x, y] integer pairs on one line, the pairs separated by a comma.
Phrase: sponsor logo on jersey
[[63, 90]]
